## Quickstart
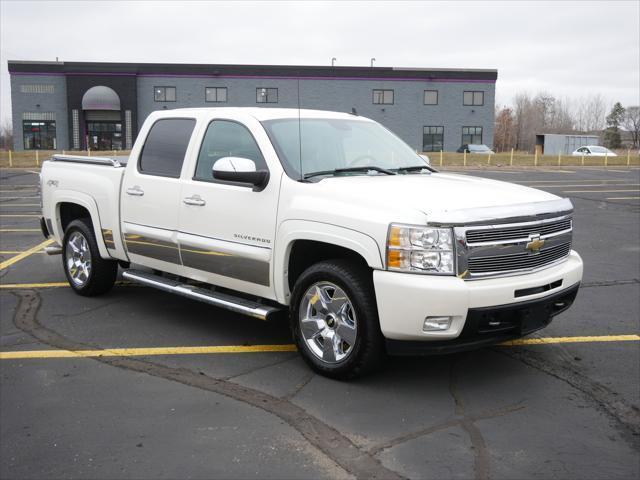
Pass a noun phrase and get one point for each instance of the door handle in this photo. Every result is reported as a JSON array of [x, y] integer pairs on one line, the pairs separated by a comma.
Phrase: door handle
[[195, 200], [136, 191]]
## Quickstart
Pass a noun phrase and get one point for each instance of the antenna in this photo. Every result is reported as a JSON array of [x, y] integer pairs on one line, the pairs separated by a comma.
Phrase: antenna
[[333, 61], [372, 60], [300, 131]]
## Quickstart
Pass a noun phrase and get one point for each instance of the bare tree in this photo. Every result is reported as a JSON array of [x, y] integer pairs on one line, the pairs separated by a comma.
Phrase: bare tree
[[595, 114], [523, 121], [631, 123], [6, 136], [505, 130]]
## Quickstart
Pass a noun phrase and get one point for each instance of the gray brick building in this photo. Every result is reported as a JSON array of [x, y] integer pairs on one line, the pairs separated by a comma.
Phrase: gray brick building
[[75, 105]]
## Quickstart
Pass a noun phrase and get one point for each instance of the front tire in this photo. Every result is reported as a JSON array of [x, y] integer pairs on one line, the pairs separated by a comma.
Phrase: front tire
[[86, 271], [334, 319]]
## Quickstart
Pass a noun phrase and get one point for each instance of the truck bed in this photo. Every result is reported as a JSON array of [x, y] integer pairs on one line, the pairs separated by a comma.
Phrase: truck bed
[[92, 182]]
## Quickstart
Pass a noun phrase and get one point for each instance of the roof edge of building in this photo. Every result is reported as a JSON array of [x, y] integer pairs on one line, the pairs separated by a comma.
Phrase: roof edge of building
[[18, 67]]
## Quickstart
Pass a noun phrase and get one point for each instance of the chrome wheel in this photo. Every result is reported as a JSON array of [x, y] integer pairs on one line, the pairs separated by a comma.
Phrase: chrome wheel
[[328, 322], [78, 259]]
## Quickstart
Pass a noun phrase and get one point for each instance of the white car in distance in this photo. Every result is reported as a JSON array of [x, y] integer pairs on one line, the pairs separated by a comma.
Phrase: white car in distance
[[593, 151]]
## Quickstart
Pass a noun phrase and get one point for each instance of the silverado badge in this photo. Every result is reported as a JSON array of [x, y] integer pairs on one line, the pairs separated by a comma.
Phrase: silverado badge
[[535, 244]]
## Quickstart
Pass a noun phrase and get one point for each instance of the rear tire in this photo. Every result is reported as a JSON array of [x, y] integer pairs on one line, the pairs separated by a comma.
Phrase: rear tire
[[334, 319], [87, 272]]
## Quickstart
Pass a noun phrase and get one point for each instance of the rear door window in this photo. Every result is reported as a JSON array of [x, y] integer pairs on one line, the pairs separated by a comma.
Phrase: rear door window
[[165, 147]]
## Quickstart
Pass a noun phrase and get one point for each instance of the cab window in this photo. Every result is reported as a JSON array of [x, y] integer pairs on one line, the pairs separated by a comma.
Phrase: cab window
[[225, 138], [165, 147]]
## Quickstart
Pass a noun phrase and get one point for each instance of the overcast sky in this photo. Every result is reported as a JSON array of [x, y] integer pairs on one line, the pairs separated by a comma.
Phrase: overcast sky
[[569, 49]]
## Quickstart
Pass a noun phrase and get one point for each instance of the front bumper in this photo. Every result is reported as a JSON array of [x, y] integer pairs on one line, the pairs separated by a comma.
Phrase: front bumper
[[404, 300], [491, 325]]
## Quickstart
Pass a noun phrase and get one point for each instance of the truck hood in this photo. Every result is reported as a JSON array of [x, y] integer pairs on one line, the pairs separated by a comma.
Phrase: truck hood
[[433, 194]]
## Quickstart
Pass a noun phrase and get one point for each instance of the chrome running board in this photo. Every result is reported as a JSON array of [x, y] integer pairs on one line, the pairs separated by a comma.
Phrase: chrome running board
[[222, 300]]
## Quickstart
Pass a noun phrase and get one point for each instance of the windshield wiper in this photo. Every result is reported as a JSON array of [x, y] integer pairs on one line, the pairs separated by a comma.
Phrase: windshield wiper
[[414, 168], [338, 171]]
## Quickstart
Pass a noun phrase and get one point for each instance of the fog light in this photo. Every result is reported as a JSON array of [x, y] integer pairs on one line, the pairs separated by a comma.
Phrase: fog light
[[434, 324]]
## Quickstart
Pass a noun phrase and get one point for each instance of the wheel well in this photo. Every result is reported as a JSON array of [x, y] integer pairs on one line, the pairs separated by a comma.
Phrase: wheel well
[[70, 212], [305, 253]]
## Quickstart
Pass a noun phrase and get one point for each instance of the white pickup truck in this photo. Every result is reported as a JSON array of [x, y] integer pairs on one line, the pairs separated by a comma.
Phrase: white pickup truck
[[326, 214]]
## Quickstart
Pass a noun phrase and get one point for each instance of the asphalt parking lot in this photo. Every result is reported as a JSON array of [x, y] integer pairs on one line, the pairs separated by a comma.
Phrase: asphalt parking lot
[[113, 387]]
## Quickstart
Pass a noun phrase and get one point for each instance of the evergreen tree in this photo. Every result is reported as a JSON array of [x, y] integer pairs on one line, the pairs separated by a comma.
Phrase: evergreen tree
[[612, 133]]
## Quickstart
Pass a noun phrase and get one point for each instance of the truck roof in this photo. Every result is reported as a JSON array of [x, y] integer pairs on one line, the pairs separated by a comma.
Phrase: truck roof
[[260, 113]]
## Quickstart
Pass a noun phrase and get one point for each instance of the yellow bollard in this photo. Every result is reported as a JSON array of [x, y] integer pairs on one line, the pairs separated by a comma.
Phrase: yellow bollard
[[37, 159], [628, 157], [606, 159], [535, 159], [440, 157], [10, 159], [583, 160], [464, 158], [63, 152], [489, 160], [511, 161], [559, 158], [88, 152]]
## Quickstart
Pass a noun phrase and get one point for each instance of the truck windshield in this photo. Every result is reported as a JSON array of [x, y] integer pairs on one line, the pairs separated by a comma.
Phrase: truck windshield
[[312, 148]]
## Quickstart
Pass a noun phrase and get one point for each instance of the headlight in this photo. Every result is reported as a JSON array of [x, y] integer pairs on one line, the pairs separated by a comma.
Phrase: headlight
[[420, 249]]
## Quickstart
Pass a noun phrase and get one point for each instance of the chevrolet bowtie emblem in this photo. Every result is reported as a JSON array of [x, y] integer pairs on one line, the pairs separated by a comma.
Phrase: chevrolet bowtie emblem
[[535, 244]]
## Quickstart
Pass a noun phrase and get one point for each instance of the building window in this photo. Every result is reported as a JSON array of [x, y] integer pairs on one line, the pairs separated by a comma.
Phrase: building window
[[383, 97], [471, 135], [36, 88], [431, 97], [165, 147], [164, 94], [102, 135], [266, 95], [473, 98], [39, 134], [215, 94], [432, 139]]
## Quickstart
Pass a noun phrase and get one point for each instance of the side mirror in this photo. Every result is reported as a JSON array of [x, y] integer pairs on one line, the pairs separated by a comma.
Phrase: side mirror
[[241, 170], [426, 159]]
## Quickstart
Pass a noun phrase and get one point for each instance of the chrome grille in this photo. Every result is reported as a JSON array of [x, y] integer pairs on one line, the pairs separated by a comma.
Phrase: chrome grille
[[518, 261], [509, 249], [500, 234]]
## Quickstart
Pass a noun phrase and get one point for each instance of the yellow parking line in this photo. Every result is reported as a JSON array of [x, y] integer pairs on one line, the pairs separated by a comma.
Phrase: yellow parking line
[[590, 180], [586, 185], [16, 230], [23, 205], [15, 252], [598, 191], [26, 286], [591, 339], [134, 352], [25, 254], [18, 286]]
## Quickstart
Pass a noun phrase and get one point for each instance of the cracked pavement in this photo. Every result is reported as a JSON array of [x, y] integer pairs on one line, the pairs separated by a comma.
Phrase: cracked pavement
[[537, 411]]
